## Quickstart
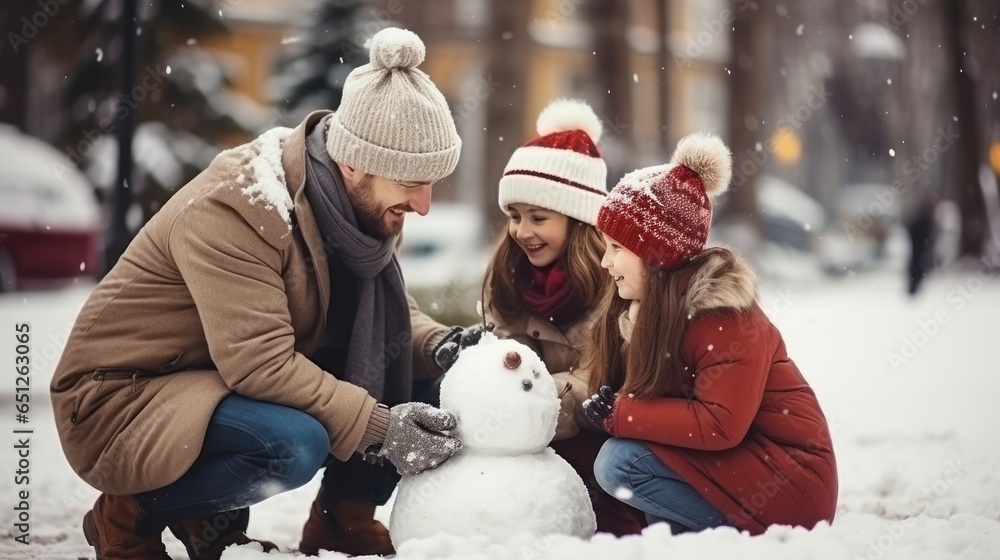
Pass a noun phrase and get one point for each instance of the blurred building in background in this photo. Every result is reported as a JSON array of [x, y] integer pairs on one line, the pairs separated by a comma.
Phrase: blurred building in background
[[842, 117]]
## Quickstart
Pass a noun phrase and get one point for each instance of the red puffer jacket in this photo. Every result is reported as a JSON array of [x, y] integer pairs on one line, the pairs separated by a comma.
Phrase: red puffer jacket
[[741, 426]]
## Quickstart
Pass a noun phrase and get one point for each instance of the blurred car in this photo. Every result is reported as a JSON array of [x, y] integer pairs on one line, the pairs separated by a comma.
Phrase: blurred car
[[790, 217], [443, 260], [49, 217], [799, 238], [841, 241]]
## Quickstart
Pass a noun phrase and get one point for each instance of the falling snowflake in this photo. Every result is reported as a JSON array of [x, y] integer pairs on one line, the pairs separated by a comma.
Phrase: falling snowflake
[[623, 493]]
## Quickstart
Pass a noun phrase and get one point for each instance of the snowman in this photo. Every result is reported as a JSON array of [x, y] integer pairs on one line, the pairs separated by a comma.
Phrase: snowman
[[505, 480]]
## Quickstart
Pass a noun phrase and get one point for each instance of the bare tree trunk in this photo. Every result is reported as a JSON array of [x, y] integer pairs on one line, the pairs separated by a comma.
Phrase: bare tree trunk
[[122, 198], [509, 45], [610, 21], [750, 61], [662, 28], [14, 47], [968, 148]]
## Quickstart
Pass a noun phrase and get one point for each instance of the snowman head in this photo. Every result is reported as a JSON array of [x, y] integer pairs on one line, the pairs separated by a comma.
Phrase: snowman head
[[503, 396]]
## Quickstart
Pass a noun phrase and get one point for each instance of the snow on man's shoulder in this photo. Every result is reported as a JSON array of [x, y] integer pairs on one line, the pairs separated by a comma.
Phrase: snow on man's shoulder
[[251, 180]]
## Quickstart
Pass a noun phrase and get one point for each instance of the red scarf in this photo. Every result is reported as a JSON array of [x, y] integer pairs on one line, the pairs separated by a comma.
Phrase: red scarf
[[548, 293]]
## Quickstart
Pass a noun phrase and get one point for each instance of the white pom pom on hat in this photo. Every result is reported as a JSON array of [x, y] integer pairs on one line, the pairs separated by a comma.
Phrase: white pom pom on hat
[[709, 158], [562, 169], [570, 114], [396, 48]]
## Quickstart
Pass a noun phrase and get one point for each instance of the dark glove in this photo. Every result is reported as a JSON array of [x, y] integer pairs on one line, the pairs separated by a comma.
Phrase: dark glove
[[447, 351], [413, 442], [599, 408]]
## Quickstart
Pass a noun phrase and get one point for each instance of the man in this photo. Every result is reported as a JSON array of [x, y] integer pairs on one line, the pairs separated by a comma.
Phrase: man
[[250, 331]]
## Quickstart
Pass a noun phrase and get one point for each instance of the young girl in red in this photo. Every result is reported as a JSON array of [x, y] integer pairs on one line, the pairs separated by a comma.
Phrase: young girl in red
[[545, 279], [712, 423]]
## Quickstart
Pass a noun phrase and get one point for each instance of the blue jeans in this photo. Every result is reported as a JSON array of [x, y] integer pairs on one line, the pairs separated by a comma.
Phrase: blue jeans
[[628, 470], [252, 451]]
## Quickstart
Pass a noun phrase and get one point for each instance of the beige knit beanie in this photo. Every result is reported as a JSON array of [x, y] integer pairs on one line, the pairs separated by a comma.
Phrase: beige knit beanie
[[392, 121]]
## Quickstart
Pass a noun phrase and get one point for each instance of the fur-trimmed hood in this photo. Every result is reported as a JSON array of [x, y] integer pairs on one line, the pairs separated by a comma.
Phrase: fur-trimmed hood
[[725, 280]]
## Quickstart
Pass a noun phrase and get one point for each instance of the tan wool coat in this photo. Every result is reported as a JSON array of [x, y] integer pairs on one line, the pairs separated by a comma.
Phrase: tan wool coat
[[225, 290]]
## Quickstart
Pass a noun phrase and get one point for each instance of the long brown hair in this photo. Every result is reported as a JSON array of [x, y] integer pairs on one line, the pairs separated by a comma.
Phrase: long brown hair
[[649, 364], [582, 259]]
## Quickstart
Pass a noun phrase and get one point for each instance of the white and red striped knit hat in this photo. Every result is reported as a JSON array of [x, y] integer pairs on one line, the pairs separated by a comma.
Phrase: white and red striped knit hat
[[562, 170]]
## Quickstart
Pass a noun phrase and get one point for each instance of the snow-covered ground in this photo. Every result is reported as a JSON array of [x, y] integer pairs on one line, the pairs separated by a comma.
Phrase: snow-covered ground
[[910, 389]]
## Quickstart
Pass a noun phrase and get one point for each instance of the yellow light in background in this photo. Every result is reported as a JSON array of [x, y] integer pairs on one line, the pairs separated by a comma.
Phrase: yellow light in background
[[786, 146], [995, 157]]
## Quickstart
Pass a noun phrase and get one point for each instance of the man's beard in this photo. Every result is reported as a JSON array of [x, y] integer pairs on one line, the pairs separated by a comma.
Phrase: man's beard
[[370, 213]]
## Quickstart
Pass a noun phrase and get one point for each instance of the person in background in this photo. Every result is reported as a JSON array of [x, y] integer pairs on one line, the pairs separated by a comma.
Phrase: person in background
[[712, 423], [922, 231]]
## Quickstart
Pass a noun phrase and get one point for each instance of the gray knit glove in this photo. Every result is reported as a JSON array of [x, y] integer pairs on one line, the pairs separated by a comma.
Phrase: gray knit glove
[[413, 442]]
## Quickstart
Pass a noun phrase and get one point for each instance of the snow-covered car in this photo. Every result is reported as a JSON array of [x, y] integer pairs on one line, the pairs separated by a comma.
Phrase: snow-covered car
[[49, 217], [799, 238], [790, 217]]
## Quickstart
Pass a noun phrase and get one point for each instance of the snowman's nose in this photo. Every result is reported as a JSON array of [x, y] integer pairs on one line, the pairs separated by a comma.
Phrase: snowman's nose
[[512, 360]]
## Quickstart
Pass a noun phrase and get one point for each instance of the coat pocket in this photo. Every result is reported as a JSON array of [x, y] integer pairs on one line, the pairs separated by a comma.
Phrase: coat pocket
[[103, 385]]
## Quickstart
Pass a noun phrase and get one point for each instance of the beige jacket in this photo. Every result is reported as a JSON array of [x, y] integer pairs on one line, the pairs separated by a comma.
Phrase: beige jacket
[[224, 291]]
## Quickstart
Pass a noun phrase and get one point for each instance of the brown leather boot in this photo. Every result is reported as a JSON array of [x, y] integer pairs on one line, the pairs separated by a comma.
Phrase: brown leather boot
[[344, 526], [206, 538], [119, 530]]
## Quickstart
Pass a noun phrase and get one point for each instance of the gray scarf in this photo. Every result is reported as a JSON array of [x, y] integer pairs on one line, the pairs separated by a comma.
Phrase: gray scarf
[[379, 357]]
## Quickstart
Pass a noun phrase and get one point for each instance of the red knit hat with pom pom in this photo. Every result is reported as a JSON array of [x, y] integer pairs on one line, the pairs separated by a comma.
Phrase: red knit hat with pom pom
[[562, 170], [662, 213]]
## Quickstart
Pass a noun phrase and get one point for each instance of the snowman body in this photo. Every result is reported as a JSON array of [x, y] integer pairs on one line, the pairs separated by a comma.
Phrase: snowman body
[[505, 480]]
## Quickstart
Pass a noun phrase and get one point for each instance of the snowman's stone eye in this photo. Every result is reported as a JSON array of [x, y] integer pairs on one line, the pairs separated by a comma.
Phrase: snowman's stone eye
[[526, 384], [535, 371]]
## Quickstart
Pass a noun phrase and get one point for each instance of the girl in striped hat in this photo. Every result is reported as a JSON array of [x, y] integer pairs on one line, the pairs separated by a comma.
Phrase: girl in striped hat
[[545, 279]]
